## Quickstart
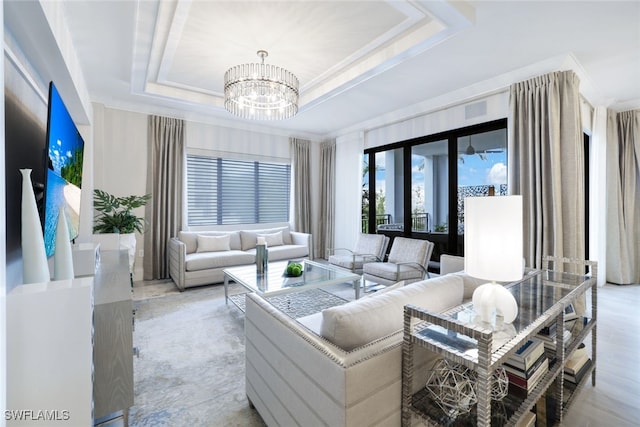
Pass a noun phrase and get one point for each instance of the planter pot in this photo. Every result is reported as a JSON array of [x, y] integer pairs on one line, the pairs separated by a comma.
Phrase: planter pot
[[114, 241]]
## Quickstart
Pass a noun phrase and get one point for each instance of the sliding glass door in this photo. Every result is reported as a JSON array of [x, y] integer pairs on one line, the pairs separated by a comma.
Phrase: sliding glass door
[[416, 188]]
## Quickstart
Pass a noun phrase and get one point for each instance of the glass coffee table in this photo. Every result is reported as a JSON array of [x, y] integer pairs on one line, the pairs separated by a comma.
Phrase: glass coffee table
[[274, 281]]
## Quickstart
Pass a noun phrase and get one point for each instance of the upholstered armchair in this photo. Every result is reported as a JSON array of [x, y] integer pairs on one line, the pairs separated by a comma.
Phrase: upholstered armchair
[[368, 248], [408, 261]]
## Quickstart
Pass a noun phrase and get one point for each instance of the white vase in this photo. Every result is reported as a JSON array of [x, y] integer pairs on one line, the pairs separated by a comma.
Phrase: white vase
[[63, 258], [34, 258]]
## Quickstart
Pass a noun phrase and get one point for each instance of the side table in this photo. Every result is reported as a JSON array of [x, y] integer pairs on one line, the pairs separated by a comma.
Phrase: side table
[[542, 297]]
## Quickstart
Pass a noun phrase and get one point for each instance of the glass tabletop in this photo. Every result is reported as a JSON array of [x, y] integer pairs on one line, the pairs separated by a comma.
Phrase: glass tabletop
[[539, 295], [275, 279]]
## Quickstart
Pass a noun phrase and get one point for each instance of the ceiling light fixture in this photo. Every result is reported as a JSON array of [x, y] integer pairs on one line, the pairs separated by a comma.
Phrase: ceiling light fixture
[[260, 91]]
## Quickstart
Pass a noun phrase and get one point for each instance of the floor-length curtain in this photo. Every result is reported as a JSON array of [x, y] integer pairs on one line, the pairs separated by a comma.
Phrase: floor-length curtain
[[327, 197], [301, 184], [623, 197], [546, 165], [165, 183]]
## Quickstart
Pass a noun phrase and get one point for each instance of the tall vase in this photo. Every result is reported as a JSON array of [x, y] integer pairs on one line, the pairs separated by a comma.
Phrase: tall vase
[[34, 258], [63, 258]]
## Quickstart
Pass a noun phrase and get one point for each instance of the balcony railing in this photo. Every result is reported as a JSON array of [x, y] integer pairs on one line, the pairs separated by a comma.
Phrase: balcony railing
[[419, 222], [380, 219]]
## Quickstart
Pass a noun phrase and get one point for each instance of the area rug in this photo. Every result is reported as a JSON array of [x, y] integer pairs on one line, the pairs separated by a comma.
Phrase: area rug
[[190, 369]]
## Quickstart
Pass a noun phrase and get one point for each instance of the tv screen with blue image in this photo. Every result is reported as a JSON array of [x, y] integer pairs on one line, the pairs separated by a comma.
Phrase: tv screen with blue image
[[64, 172]]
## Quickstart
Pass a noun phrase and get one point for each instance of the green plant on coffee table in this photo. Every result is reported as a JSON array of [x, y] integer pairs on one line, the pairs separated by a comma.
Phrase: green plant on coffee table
[[294, 269], [115, 213]]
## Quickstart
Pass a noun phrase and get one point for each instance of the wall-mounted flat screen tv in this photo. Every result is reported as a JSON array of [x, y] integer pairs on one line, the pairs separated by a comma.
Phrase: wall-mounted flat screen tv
[[64, 173]]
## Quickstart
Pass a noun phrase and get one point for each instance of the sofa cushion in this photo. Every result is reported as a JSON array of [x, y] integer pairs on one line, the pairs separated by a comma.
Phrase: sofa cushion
[[314, 321], [347, 261], [207, 260], [359, 322], [389, 271], [408, 250], [190, 238], [273, 239], [249, 238], [279, 253], [213, 243]]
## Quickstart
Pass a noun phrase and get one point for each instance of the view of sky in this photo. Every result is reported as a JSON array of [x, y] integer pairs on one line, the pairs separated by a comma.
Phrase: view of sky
[[490, 169], [477, 169]]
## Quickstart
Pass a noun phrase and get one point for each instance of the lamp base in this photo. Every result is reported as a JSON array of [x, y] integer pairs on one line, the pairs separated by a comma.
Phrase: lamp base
[[492, 299]]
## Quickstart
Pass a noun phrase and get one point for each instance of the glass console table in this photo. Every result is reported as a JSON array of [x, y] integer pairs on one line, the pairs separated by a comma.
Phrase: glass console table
[[543, 297]]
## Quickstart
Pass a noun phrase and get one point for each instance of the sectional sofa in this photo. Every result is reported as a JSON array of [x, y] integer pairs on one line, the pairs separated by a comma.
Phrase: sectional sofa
[[343, 366], [199, 257]]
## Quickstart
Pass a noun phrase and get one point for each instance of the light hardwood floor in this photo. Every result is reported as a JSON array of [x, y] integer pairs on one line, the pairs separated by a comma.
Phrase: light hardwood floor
[[615, 400]]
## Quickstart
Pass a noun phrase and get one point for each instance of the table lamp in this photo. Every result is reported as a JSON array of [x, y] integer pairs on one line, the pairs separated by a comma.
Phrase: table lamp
[[493, 251]]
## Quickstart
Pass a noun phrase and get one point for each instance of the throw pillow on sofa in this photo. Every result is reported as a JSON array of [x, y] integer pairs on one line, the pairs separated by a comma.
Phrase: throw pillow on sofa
[[362, 321], [249, 238], [190, 238], [274, 239], [213, 243]]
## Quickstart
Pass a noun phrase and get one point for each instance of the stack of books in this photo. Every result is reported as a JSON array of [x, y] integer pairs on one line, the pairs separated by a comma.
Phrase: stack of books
[[548, 336], [526, 367], [577, 366]]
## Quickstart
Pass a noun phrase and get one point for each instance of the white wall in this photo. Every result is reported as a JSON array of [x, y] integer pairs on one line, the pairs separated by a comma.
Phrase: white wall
[[349, 149], [236, 143], [120, 159]]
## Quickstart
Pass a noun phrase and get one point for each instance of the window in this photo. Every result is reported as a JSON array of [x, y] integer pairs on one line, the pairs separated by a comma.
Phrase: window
[[418, 186], [225, 191], [430, 187], [482, 167]]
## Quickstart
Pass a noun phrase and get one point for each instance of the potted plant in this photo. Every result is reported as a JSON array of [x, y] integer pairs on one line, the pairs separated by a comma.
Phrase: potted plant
[[115, 223]]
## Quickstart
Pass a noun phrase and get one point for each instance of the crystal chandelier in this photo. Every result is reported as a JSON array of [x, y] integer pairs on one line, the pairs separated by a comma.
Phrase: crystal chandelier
[[260, 91]]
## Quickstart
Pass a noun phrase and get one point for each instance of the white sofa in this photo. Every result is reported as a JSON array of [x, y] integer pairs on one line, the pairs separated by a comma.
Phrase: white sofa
[[341, 367], [199, 257]]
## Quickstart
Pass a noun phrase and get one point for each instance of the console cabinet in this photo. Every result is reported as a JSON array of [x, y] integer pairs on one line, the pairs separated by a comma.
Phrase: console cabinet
[[49, 357], [113, 337]]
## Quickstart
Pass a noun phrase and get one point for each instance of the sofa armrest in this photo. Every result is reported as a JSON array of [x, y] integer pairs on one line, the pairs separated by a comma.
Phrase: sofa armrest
[[177, 252], [451, 264], [304, 239]]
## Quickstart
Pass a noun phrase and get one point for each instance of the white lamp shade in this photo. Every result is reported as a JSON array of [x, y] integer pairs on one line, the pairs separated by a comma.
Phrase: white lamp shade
[[493, 237]]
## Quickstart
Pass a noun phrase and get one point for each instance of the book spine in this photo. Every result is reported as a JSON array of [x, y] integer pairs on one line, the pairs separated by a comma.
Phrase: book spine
[[525, 362], [531, 358], [528, 384], [529, 372], [575, 379]]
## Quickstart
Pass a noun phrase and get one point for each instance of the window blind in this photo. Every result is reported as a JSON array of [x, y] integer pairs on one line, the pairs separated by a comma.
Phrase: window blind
[[225, 191]]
